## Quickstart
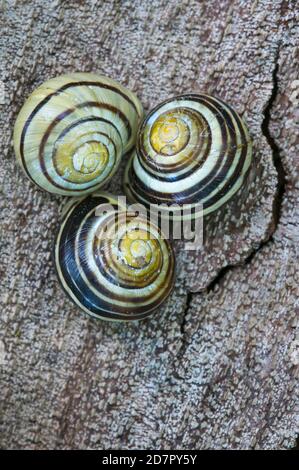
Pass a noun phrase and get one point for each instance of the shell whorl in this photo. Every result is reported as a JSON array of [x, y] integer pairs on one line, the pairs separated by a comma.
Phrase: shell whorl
[[190, 149], [113, 265], [72, 131]]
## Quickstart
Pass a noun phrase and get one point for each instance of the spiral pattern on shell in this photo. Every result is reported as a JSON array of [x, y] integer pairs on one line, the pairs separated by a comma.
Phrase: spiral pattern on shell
[[72, 131], [191, 149], [112, 264]]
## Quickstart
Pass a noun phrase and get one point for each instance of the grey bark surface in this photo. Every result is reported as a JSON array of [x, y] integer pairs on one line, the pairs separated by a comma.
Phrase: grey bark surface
[[217, 366]]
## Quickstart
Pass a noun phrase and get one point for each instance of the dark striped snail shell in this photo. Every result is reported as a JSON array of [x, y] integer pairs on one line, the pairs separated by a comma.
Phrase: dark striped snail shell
[[72, 131], [113, 265], [191, 149]]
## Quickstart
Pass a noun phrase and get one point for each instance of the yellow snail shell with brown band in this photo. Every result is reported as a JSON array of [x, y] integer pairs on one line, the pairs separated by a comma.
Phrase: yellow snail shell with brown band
[[112, 264], [194, 151], [72, 131]]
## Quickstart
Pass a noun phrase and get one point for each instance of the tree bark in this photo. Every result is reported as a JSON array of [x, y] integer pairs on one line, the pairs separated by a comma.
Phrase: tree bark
[[217, 366]]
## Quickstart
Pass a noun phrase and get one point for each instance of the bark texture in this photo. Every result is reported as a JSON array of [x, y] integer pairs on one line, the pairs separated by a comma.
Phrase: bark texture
[[217, 366]]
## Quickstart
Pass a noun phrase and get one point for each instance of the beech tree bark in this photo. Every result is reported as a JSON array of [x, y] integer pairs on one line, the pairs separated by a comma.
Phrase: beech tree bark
[[217, 366]]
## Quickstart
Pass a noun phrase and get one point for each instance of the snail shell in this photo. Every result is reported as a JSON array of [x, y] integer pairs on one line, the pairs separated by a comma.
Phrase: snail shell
[[113, 265], [190, 149], [72, 131]]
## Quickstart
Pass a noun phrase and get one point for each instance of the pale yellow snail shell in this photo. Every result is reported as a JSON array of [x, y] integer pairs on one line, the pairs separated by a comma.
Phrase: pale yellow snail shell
[[72, 131], [193, 151]]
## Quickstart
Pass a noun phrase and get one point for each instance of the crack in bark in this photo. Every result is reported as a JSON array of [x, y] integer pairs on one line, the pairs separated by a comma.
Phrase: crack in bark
[[185, 312], [221, 274], [281, 177], [277, 202]]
